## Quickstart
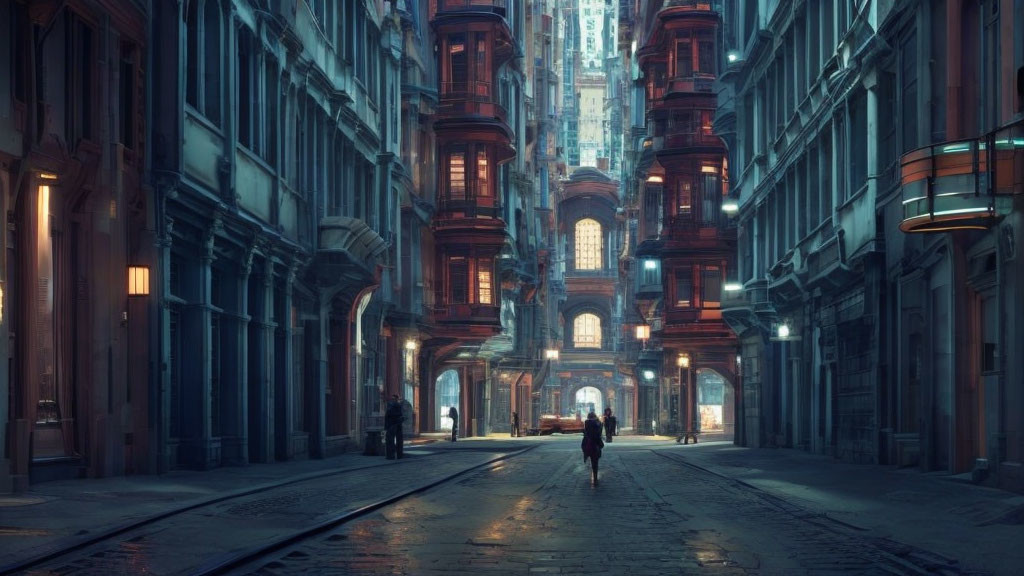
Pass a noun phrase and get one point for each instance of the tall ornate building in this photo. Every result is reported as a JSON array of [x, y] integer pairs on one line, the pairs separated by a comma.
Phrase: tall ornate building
[[589, 237], [74, 146], [685, 243], [473, 226], [274, 213], [877, 162]]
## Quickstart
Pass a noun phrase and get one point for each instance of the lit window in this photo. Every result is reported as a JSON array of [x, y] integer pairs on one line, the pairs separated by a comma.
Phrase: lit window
[[588, 245], [457, 175], [483, 188], [483, 281], [586, 331]]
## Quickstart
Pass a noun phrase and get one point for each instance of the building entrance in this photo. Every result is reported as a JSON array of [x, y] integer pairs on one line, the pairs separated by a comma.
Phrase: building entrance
[[588, 399]]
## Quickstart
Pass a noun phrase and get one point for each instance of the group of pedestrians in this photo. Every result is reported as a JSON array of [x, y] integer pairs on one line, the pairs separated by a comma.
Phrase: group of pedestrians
[[592, 444]]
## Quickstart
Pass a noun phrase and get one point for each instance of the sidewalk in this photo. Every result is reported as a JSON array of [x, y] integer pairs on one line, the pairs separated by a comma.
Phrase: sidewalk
[[54, 515], [981, 527]]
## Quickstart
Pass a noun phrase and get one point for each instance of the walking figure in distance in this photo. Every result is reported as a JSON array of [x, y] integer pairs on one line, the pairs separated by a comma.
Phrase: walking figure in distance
[[609, 424], [393, 419], [592, 443], [515, 424], [454, 415]]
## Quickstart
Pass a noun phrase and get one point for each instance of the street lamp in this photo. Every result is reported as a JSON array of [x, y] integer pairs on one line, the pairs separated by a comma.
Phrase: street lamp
[[688, 399], [783, 331], [551, 354]]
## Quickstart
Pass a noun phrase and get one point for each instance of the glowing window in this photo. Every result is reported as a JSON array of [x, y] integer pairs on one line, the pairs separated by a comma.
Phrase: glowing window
[[483, 187], [457, 175], [586, 331], [485, 287], [588, 245]]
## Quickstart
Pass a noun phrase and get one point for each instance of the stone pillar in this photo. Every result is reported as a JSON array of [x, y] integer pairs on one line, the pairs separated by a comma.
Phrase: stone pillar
[[236, 363], [203, 448], [316, 385], [284, 407], [160, 406], [261, 371]]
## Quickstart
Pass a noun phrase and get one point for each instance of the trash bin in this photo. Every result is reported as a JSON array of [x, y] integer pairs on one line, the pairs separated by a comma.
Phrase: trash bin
[[373, 442]]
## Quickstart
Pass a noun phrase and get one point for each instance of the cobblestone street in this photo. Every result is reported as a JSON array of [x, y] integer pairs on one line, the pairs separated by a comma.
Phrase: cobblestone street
[[652, 512], [522, 506]]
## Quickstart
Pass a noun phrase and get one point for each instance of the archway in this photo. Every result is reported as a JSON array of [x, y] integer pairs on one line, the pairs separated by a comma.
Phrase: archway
[[714, 402], [588, 398], [446, 391]]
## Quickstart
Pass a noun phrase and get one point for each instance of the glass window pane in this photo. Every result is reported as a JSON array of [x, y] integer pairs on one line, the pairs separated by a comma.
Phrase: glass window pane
[[684, 287], [483, 280], [586, 331], [588, 244]]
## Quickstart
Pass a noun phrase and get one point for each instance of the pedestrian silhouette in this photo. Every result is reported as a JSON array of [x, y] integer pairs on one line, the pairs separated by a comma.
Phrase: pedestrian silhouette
[[592, 443], [515, 424], [609, 424], [393, 419], [454, 415]]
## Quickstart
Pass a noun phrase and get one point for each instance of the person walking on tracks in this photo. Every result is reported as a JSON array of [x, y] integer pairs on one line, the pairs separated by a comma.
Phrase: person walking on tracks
[[609, 424], [515, 424], [393, 419], [592, 443], [453, 413]]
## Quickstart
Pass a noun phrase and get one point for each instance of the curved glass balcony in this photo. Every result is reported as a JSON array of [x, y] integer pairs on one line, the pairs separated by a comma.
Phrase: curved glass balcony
[[962, 184]]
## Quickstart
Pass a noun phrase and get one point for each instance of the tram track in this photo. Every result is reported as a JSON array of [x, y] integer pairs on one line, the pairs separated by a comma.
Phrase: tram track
[[224, 564], [66, 553]]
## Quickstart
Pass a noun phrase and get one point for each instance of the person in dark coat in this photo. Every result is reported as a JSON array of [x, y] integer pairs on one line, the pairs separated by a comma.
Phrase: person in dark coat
[[515, 424], [609, 425], [454, 415], [592, 443], [393, 419]]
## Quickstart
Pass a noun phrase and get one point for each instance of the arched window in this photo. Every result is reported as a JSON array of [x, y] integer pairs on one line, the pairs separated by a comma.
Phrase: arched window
[[586, 331], [588, 244]]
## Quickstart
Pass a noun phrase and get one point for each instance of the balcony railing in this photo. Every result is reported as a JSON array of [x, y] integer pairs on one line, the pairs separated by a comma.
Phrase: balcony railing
[[487, 313], [478, 207], [696, 82], [474, 97], [962, 184]]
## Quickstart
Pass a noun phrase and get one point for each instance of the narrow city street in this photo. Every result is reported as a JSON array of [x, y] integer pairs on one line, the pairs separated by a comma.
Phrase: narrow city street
[[652, 512], [523, 506]]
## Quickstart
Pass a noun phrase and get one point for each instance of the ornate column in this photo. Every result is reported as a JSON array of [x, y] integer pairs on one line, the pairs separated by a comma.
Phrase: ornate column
[[160, 397], [261, 369], [235, 365], [205, 449], [284, 407]]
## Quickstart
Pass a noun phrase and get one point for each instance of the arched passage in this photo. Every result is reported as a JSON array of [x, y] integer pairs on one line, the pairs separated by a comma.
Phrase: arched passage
[[715, 402], [446, 393], [588, 398]]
